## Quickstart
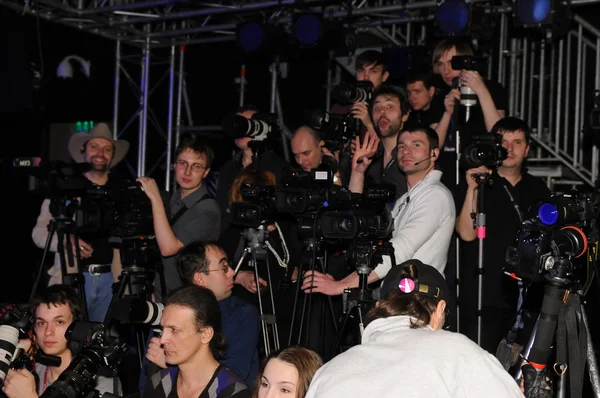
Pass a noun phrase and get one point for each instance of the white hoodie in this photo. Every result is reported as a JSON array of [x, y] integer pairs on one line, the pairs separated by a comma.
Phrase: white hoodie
[[397, 361]]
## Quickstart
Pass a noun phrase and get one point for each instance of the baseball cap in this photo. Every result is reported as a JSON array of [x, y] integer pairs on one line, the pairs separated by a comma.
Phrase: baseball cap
[[428, 281]]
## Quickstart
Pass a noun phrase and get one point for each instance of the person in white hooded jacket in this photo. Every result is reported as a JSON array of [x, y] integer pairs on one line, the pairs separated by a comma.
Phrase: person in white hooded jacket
[[404, 352]]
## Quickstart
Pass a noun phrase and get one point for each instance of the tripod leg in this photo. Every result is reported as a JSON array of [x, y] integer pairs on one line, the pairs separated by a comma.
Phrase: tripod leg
[[591, 356], [338, 337], [51, 232], [298, 284], [260, 306], [274, 318]]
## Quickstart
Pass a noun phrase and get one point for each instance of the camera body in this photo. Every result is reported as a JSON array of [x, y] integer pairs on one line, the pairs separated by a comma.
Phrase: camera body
[[484, 150], [257, 209], [468, 62], [561, 227]]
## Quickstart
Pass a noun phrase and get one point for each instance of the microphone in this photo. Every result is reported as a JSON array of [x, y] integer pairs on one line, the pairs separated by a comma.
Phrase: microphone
[[422, 160], [468, 98], [136, 310]]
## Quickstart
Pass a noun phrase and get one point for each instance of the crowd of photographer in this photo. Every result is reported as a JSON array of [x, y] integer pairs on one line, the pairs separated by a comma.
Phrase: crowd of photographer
[[274, 265]]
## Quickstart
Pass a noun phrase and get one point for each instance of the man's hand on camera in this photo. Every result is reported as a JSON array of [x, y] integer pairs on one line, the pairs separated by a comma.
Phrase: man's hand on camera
[[471, 176], [156, 353], [360, 110], [150, 188], [473, 80], [317, 282], [364, 151], [450, 100], [248, 281], [85, 249], [19, 384]]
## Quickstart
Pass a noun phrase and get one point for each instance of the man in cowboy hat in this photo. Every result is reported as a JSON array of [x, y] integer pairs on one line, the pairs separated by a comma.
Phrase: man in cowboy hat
[[99, 261]]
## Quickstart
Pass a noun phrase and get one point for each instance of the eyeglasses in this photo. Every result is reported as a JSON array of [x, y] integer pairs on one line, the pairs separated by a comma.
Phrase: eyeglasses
[[183, 165], [223, 268]]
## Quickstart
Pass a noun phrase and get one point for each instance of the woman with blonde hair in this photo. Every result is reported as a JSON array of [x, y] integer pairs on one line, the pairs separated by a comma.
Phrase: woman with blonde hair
[[287, 373]]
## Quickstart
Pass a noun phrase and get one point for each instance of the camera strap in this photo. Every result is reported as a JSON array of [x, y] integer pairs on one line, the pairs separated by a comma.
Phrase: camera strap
[[182, 211]]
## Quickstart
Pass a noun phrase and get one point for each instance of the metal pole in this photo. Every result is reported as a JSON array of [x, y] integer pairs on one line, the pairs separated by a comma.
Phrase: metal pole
[[542, 78], [512, 77], [559, 95], [170, 119], [530, 91], [144, 113], [565, 146], [274, 67], [595, 151], [115, 125], [179, 99], [502, 46], [576, 126], [552, 88], [523, 78], [242, 84], [186, 103], [582, 108], [329, 81]]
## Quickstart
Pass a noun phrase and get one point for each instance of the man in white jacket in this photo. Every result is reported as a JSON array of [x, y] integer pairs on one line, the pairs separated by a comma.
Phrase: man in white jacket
[[404, 352]]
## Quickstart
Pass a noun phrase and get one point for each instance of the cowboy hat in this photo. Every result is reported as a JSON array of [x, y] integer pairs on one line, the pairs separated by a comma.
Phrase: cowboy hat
[[101, 130]]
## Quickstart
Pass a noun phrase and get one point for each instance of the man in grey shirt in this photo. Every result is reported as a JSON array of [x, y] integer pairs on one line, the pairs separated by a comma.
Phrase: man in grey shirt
[[189, 215]]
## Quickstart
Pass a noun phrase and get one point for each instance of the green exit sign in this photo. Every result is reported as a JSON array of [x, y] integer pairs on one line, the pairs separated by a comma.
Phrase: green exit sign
[[84, 126]]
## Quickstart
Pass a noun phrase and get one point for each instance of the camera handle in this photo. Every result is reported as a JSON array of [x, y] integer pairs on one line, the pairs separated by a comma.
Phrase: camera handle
[[482, 179]]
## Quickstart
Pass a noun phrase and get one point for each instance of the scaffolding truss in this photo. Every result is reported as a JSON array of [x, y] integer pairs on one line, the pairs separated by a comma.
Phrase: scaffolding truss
[[140, 28]]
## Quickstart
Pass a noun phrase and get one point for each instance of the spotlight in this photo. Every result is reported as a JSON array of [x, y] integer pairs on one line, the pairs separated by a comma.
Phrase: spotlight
[[251, 36], [533, 12], [307, 29], [453, 17]]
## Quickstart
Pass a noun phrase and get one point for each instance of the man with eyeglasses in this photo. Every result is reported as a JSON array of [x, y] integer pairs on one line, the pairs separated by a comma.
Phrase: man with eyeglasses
[[190, 214], [205, 264]]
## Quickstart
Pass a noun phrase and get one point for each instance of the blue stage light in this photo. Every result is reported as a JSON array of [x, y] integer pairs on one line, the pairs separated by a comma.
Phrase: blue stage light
[[533, 12], [251, 36], [453, 17], [307, 29], [548, 214]]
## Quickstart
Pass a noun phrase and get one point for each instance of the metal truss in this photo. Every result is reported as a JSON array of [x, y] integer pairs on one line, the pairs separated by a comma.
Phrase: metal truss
[[143, 29]]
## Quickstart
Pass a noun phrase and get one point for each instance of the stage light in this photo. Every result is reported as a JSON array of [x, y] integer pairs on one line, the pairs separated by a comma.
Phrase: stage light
[[453, 17], [533, 12], [307, 29], [65, 68], [251, 36]]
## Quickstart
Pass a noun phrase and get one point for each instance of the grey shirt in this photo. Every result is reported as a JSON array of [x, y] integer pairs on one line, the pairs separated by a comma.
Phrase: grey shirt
[[200, 222]]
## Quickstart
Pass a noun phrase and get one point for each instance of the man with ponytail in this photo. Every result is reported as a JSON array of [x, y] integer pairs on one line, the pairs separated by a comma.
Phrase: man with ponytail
[[406, 353]]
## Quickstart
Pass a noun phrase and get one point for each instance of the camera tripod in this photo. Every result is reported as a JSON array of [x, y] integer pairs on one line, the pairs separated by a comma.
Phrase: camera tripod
[[314, 253], [483, 180], [563, 317], [64, 227], [362, 255], [256, 247], [136, 279]]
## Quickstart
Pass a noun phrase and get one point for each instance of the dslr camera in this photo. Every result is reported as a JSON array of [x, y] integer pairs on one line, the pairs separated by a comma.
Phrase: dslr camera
[[468, 62]]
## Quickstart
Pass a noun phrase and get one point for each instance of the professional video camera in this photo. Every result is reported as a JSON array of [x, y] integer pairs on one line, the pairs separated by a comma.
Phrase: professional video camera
[[335, 129], [561, 228], [258, 206], [484, 150], [99, 353], [303, 191]]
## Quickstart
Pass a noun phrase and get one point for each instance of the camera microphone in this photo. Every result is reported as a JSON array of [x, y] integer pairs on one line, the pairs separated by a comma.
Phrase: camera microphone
[[136, 310], [422, 160]]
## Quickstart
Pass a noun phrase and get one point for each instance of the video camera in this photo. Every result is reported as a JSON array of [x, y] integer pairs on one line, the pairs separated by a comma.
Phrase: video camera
[[99, 353], [337, 129], [563, 227], [258, 206], [485, 150]]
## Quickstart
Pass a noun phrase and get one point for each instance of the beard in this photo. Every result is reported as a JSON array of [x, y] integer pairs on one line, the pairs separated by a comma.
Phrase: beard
[[391, 130]]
